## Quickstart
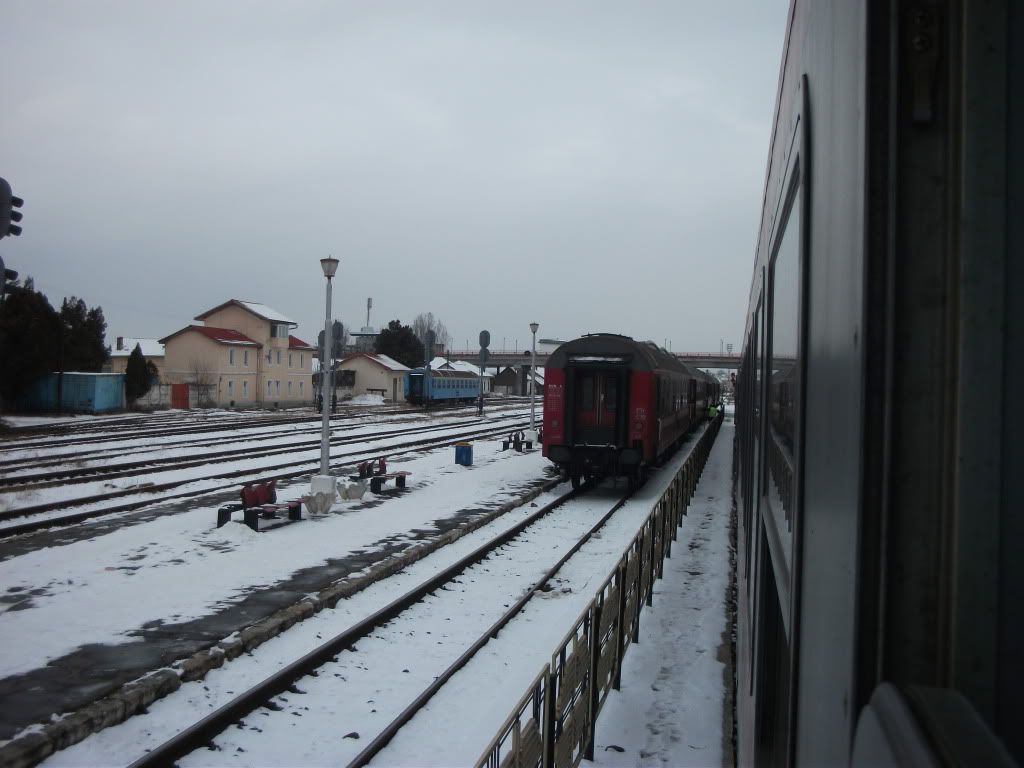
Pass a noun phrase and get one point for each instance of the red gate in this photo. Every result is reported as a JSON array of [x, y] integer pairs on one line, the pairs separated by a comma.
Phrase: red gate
[[179, 396]]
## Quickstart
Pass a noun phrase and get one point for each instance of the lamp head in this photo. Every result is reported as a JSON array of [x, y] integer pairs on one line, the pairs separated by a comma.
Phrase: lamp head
[[329, 266], [534, 327]]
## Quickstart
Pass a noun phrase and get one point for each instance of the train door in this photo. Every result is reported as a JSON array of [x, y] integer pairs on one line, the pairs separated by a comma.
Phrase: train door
[[597, 407], [415, 388]]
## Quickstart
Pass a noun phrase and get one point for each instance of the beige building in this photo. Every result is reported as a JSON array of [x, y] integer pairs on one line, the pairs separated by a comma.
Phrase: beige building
[[242, 356], [152, 351], [376, 375]]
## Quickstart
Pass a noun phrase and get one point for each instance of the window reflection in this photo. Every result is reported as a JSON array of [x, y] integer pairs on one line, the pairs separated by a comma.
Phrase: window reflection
[[784, 376]]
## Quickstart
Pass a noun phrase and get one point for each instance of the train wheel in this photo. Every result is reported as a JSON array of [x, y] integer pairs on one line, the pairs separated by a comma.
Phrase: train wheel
[[576, 478]]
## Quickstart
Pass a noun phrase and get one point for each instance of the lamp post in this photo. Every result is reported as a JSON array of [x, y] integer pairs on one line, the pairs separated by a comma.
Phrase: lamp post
[[324, 484], [533, 380]]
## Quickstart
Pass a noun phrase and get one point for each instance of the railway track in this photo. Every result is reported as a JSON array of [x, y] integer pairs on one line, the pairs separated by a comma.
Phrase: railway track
[[233, 433], [389, 637], [65, 475], [167, 491], [97, 432]]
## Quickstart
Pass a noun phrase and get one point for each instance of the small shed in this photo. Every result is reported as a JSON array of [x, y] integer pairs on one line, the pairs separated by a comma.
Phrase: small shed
[[376, 374], [78, 392]]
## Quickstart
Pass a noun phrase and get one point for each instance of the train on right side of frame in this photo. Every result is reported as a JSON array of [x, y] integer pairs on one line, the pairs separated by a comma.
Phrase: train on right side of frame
[[615, 407], [877, 455]]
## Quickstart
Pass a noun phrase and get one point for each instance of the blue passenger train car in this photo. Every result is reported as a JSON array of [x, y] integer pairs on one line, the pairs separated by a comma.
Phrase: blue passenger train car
[[442, 386]]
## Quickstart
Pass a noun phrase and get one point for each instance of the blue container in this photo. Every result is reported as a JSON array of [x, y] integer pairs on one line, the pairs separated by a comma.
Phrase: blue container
[[464, 454]]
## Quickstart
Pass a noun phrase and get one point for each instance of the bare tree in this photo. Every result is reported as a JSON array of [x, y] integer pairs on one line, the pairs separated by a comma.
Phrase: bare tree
[[425, 323], [201, 373]]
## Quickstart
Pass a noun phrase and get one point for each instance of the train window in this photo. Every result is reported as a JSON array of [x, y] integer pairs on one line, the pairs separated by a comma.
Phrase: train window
[[784, 376], [587, 393], [611, 393]]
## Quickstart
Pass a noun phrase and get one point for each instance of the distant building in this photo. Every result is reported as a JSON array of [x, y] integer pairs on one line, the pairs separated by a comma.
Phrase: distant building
[[152, 351], [243, 355], [376, 374]]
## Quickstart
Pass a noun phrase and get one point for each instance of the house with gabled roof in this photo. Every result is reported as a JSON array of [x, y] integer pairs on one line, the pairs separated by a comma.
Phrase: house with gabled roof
[[376, 374], [243, 355], [152, 351]]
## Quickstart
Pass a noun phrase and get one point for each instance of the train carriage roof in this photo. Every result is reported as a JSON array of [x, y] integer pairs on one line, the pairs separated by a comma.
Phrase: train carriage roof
[[442, 373], [614, 349]]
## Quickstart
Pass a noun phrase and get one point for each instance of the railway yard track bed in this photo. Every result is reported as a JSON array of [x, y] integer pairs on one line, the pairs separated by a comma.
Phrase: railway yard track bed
[[134, 637]]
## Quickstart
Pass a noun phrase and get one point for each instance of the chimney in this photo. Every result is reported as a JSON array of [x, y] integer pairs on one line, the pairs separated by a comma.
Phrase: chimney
[[120, 343]]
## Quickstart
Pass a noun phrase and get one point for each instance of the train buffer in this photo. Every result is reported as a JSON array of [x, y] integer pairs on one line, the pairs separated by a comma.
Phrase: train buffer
[[376, 471]]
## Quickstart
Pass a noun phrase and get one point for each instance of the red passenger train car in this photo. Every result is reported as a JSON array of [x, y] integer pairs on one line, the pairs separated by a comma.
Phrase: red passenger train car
[[615, 406]]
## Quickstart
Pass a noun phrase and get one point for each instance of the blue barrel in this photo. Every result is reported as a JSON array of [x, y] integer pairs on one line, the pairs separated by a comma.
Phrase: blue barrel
[[464, 454]]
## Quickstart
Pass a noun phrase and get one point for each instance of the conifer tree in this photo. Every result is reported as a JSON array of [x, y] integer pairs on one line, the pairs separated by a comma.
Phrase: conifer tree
[[139, 375]]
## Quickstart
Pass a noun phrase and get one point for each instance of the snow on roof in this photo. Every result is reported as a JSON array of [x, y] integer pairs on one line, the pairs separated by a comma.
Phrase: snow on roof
[[150, 347], [222, 335], [389, 362], [260, 310], [382, 360], [458, 365]]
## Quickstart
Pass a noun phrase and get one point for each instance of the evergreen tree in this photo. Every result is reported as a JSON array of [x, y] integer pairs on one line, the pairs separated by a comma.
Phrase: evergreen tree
[[399, 342], [83, 331], [139, 375], [29, 328]]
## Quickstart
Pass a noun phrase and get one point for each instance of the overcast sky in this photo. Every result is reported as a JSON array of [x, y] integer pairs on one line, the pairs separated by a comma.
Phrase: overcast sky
[[591, 166]]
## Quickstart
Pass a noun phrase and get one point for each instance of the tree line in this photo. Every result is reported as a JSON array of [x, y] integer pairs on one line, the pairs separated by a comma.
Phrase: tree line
[[36, 339]]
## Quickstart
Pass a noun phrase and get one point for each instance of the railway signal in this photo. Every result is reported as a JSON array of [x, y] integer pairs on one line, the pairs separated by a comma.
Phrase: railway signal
[[485, 340], [5, 275], [9, 202]]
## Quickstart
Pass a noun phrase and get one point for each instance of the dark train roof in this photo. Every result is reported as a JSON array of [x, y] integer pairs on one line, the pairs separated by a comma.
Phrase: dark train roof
[[616, 349]]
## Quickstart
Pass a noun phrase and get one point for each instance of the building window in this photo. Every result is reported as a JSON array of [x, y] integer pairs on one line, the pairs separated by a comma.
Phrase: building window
[[245, 390], [231, 388], [290, 361], [302, 361], [301, 389], [279, 357], [245, 358], [277, 386], [268, 387], [289, 389], [279, 331], [231, 357]]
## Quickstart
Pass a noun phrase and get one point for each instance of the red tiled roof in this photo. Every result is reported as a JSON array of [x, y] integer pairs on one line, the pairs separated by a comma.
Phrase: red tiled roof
[[222, 335], [296, 343]]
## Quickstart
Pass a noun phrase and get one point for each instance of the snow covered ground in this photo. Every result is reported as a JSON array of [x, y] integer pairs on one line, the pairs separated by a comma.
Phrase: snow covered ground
[[670, 708]]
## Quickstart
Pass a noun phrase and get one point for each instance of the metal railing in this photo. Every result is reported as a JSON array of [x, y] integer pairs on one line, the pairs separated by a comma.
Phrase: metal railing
[[554, 723]]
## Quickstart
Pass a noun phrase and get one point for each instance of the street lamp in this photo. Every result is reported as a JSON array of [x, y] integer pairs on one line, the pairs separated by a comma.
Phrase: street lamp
[[533, 379], [324, 485]]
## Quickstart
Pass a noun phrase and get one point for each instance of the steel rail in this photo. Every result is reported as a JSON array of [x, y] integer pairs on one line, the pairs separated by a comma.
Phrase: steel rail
[[382, 739], [40, 480], [265, 475], [203, 732]]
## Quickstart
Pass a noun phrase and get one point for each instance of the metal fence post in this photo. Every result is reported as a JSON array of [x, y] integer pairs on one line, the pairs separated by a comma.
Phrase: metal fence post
[[620, 636], [549, 720], [594, 690]]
